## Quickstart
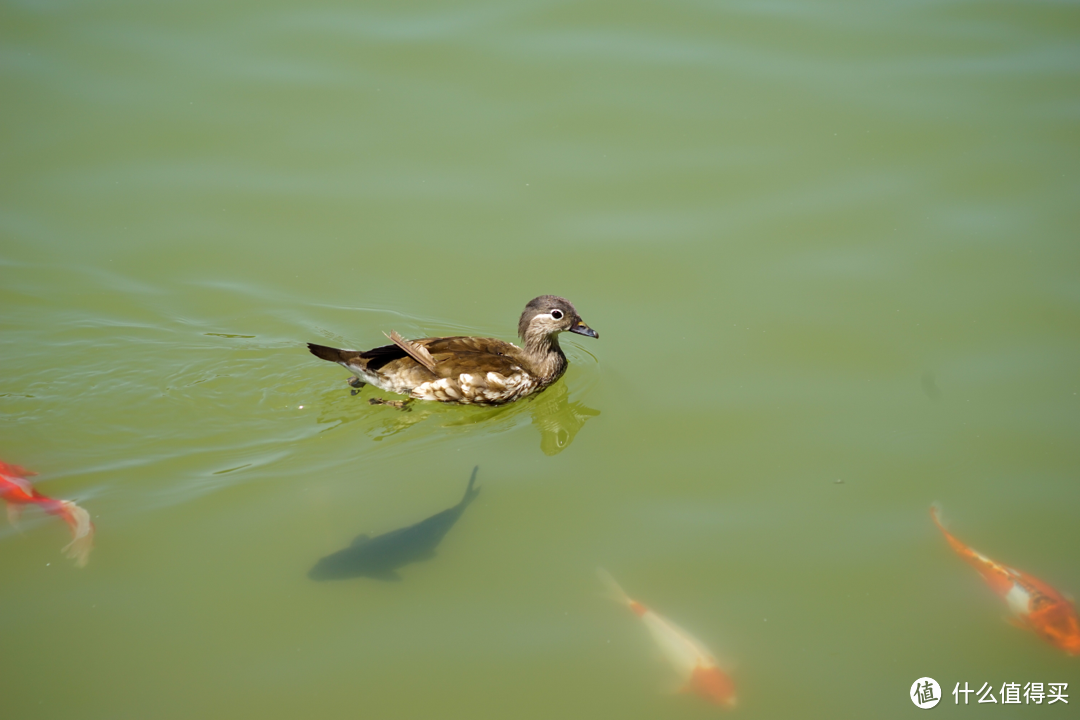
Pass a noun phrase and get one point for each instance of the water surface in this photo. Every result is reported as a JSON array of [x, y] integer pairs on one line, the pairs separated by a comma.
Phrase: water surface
[[830, 248]]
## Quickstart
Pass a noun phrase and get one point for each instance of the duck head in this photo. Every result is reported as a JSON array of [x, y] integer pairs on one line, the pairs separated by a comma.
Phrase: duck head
[[549, 315]]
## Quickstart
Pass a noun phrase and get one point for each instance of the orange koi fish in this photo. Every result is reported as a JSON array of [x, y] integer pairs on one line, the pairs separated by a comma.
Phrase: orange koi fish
[[691, 659], [17, 491], [1035, 605]]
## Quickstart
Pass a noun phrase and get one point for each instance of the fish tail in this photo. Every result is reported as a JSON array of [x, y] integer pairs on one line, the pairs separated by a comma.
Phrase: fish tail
[[616, 593], [961, 549], [614, 589], [469, 492], [82, 532], [999, 577], [935, 513]]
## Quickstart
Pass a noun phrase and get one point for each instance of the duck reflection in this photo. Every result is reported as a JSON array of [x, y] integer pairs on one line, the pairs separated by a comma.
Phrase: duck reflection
[[381, 557], [553, 415], [558, 419]]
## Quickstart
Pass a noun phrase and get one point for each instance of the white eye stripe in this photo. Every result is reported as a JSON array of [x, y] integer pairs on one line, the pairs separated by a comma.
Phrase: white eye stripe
[[557, 314]]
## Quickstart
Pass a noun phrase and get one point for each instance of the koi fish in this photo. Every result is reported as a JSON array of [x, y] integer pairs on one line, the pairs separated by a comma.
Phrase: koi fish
[[1035, 605], [17, 491], [691, 659]]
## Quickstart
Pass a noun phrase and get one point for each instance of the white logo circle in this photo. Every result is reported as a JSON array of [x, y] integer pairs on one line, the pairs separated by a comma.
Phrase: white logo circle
[[925, 693]]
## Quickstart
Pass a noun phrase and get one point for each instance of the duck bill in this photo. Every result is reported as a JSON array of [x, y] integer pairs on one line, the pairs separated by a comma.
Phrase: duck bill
[[582, 329]]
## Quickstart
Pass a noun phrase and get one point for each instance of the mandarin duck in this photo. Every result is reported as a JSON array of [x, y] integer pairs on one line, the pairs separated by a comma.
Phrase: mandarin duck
[[468, 370]]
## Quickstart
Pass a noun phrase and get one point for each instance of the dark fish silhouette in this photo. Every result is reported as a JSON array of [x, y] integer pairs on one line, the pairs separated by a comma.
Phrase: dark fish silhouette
[[380, 557]]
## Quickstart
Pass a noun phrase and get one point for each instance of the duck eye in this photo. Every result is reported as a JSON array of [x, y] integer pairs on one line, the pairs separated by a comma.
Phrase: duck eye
[[557, 314]]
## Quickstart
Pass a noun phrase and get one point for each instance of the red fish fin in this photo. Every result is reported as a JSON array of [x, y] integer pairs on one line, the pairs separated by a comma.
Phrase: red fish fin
[[23, 484], [1016, 622], [82, 533], [9, 469], [14, 512]]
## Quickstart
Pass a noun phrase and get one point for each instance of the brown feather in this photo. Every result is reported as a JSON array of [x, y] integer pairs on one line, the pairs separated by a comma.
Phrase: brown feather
[[462, 353], [329, 353], [416, 351]]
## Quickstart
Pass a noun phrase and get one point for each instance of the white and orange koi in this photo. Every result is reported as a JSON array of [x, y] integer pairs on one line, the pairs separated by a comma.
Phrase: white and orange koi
[[1035, 605], [691, 659], [17, 491]]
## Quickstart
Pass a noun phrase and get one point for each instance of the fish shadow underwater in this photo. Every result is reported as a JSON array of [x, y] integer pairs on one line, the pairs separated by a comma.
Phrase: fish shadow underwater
[[381, 557]]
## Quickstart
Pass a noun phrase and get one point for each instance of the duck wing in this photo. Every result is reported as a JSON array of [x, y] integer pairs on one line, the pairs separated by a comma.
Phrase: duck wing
[[456, 355], [442, 357], [415, 350]]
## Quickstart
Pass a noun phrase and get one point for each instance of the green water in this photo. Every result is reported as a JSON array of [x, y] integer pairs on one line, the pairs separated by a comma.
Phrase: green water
[[830, 249]]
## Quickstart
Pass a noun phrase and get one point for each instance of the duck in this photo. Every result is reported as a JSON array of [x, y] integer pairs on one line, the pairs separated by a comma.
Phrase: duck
[[466, 370]]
